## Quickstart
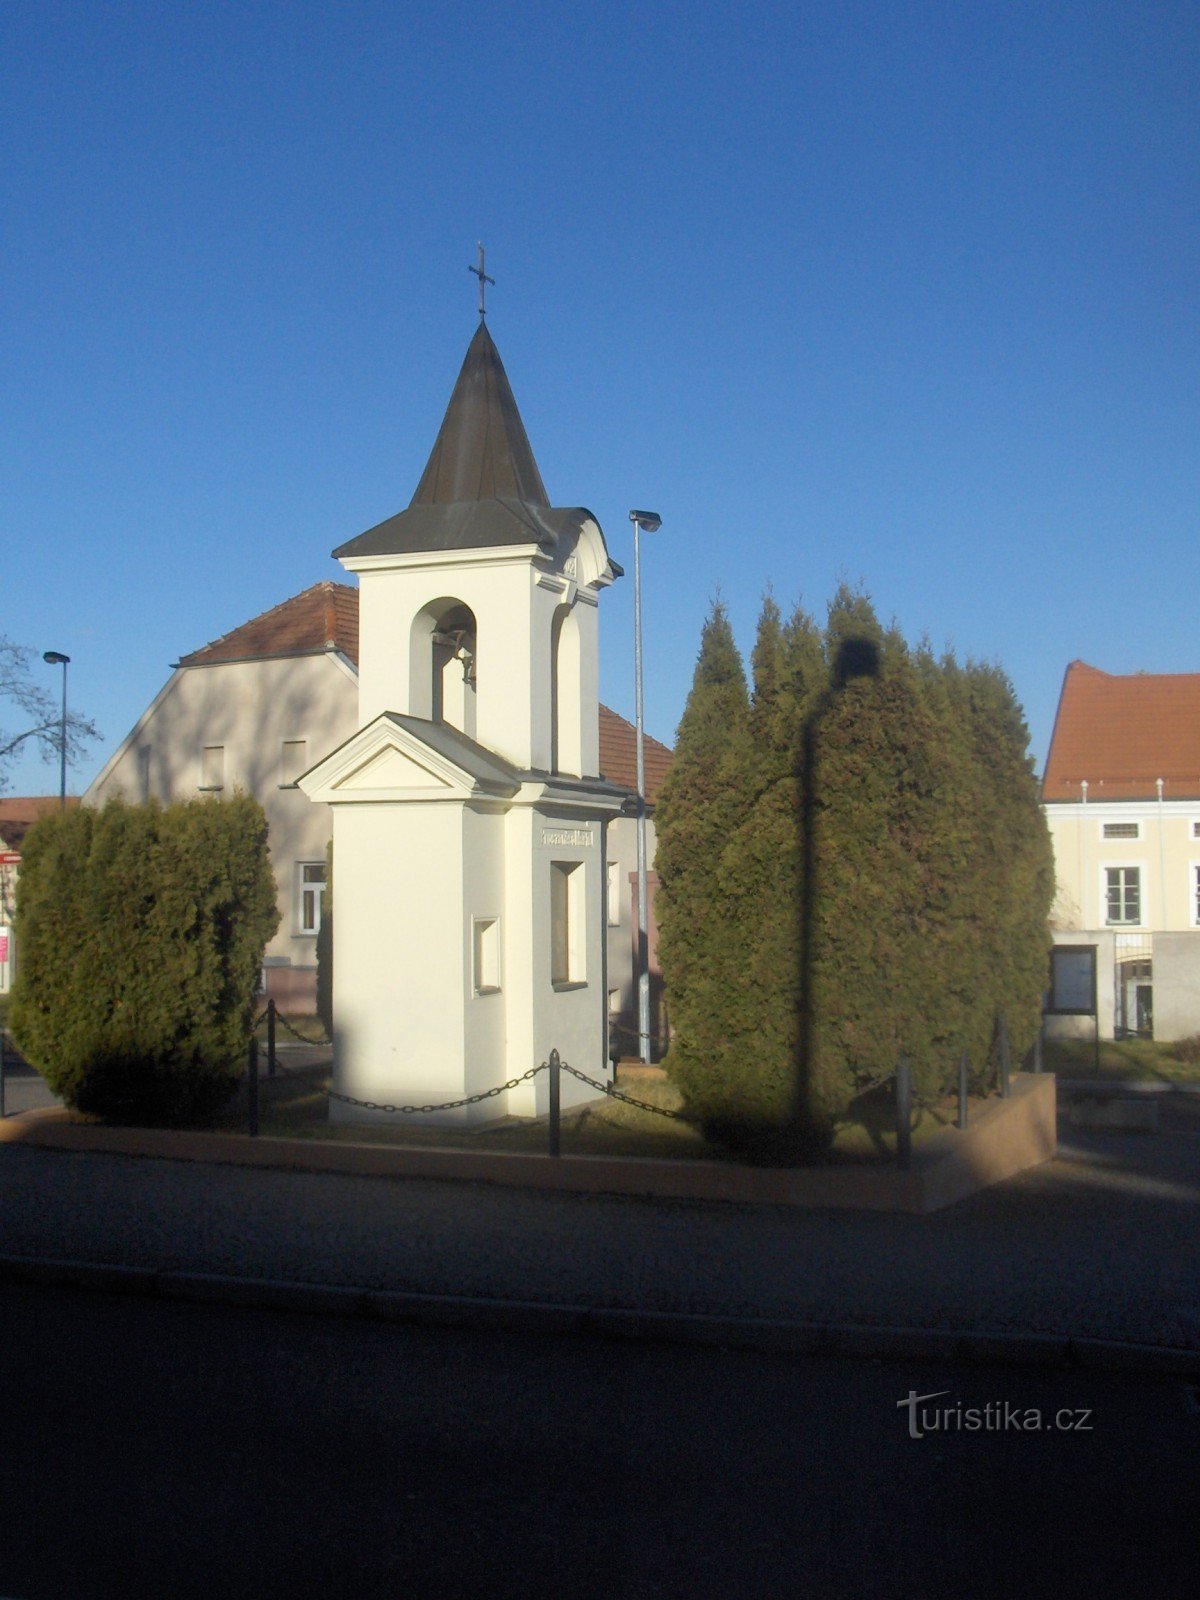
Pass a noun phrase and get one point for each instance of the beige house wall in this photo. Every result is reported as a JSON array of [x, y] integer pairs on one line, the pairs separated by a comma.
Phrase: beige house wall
[[1167, 851], [249, 709], [1166, 854]]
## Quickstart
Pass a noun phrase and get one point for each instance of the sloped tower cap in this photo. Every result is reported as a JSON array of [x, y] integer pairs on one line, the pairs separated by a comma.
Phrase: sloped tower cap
[[481, 486]]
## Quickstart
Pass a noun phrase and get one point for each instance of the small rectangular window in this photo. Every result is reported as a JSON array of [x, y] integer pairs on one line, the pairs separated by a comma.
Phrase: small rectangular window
[[1196, 895], [1196, 830], [1123, 888], [310, 883], [567, 938], [486, 941], [212, 767], [143, 773], [294, 762], [613, 899], [1122, 830]]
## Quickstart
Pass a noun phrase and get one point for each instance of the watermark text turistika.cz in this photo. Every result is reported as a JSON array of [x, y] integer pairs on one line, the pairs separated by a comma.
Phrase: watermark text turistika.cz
[[997, 1416]]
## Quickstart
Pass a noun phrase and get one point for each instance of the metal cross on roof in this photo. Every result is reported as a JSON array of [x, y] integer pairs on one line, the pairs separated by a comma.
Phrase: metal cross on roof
[[483, 279]]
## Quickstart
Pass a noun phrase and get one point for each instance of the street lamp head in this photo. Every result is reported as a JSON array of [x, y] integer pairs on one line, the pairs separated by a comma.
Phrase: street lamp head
[[647, 521], [55, 658]]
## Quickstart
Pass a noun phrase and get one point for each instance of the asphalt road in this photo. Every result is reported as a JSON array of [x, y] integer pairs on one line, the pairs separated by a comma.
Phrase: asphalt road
[[153, 1448]]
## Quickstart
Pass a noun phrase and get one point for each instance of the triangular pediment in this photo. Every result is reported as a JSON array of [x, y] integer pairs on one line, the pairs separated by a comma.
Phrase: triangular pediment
[[406, 758], [390, 768]]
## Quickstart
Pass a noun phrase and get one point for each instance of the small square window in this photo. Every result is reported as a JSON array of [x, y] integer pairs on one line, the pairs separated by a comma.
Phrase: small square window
[[212, 766], [486, 940], [567, 926], [1123, 892], [310, 885], [613, 898], [294, 761], [1122, 830]]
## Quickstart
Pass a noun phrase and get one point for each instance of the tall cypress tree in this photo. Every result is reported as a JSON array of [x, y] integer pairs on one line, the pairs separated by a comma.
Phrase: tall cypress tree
[[703, 800], [1018, 879], [857, 865], [761, 874]]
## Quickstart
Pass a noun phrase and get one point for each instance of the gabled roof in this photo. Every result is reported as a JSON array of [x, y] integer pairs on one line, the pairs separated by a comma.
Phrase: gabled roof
[[327, 614], [481, 487], [19, 812], [1120, 734], [321, 618], [618, 755]]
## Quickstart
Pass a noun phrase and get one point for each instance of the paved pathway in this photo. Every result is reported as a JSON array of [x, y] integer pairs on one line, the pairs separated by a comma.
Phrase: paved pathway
[[1100, 1243]]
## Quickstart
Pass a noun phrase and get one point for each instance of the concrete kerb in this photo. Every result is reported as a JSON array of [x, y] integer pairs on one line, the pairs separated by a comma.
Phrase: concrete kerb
[[1007, 1137], [777, 1336]]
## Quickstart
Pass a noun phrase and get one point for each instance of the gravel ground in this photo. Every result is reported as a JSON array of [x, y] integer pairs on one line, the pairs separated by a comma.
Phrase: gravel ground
[[1099, 1243]]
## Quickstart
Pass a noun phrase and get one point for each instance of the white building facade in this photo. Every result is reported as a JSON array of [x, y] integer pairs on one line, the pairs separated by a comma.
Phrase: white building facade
[[1122, 800]]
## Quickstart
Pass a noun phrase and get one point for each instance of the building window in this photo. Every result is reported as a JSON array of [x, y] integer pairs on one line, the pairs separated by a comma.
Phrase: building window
[[566, 922], [143, 773], [293, 763], [1196, 830], [486, 941], [1123, 891], [614, 894], [212, 766], [310, 883], [1196, 893], [1122, 830]]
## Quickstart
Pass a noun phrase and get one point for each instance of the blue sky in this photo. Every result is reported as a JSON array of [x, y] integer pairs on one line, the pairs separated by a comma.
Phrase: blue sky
[[904, 293]]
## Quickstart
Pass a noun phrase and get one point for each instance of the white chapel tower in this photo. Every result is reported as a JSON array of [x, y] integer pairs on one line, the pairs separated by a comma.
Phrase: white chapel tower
[[468, 816]]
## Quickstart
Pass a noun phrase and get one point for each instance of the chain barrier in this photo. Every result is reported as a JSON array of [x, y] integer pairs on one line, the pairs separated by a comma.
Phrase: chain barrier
[[608, 1089], [614, 1093], [446, 1105], [282, 1021]]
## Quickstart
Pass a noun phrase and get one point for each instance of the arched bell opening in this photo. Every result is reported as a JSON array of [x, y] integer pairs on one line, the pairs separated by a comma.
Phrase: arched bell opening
[[566, 732], [444, 664]]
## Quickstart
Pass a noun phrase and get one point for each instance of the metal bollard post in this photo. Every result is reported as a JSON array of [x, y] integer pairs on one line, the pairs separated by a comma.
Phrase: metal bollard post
[[270, 1038], [903, 1114], [964, 1067], [1003, 1057], [252, 1087], [555, 1085]]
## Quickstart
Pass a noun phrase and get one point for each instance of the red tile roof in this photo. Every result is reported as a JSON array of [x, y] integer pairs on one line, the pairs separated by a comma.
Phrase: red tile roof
[[1121, 734], [328, 614], [307, 624], [19, 812], [618, 755]]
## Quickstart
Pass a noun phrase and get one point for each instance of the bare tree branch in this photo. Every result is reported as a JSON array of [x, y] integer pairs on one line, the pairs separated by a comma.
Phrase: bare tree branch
[[38, 706]]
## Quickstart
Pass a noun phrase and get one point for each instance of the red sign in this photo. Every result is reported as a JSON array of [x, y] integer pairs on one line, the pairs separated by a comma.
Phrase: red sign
[[3, 948], [9, 858]]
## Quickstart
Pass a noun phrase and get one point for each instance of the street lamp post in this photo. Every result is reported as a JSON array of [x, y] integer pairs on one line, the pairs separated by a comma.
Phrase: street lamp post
[[55, 658], [648, 522]]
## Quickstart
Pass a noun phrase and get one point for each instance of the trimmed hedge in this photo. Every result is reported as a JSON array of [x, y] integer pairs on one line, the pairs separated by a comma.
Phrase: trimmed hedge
[[853, 863], [142, 931]]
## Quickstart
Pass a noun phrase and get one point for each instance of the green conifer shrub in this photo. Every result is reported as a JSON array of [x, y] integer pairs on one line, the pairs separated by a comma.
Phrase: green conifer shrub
[[142, 931], [702, 802], [854, 866]]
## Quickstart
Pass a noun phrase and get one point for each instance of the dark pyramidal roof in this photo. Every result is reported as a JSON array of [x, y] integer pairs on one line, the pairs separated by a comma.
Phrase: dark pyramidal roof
[[481, 486]]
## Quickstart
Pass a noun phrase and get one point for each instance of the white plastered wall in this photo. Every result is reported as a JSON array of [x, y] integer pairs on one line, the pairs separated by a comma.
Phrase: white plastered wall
[[398, 1015], [250, 708], [513, 595]]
